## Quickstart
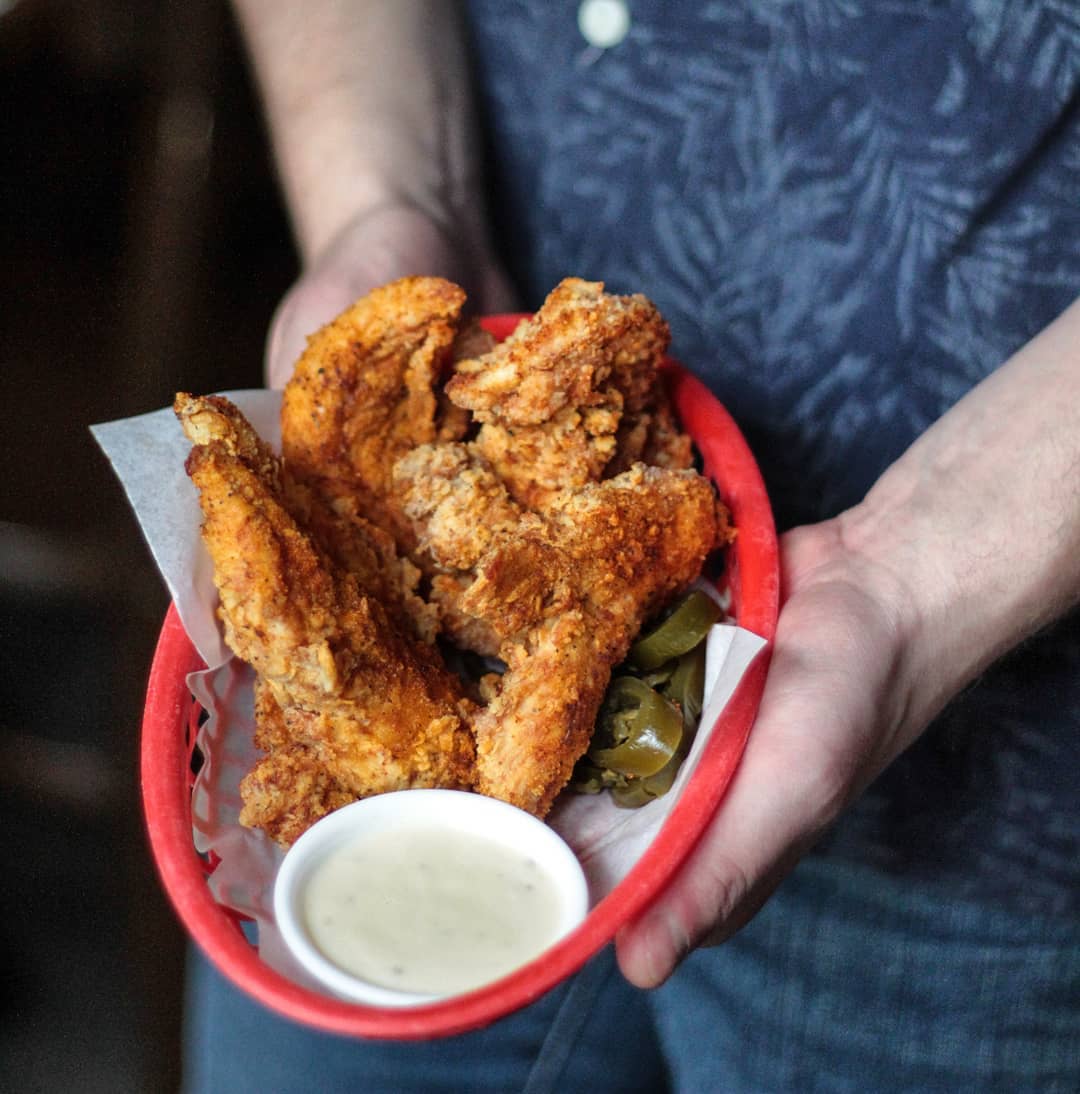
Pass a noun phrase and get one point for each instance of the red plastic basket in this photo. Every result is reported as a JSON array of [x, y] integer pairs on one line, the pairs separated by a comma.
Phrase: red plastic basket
[[171, 718]]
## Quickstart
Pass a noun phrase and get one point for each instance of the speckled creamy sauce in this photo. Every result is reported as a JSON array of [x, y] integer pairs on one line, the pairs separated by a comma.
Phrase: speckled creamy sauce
[[430, 910]]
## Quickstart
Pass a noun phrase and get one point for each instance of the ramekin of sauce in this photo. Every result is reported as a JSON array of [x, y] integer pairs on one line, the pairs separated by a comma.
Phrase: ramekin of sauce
[[413, 896]]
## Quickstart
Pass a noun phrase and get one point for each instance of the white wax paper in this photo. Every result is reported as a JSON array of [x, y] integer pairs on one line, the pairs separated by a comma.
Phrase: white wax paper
[[148, 453]]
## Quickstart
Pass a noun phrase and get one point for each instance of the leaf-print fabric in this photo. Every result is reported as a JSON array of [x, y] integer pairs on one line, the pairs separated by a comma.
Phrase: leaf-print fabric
[[850, 212]]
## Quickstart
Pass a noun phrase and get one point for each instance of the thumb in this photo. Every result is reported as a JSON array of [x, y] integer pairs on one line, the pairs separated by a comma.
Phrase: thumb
[[835, 694], [720, 888], [790, 785]]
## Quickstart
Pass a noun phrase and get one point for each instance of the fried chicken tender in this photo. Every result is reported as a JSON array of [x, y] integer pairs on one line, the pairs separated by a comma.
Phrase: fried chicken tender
[[365, 550], [374, 708], [537, 509], [336, 525], [434, 485], [563, 355], [652, 437], [570, 393], [288, 791], [364, 393], [290, 788], [559, 596]]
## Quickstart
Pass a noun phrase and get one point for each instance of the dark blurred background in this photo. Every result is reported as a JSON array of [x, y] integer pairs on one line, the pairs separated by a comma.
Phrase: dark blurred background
[[144, 249]]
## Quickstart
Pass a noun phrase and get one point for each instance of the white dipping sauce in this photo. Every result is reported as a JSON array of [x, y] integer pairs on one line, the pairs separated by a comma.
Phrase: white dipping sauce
[[430, 910]]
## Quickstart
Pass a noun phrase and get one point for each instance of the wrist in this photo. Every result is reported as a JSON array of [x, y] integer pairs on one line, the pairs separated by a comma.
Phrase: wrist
[[357, 180], [875, 647], [944, 540], [921, 603]]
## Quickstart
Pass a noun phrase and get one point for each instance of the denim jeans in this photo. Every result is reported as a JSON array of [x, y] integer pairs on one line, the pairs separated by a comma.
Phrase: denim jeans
[[848, 980]]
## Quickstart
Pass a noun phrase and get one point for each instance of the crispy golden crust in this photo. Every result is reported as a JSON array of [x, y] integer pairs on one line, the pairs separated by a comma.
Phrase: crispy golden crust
[[209, 419], [545, 540], [290, 788], [573, 448], [652, 437], [363, 549], [455, 501], [564, 355], [364, 393], [611, 554], [335, 526], [569, 393], [562, 593], [375, 706], [287, 792]]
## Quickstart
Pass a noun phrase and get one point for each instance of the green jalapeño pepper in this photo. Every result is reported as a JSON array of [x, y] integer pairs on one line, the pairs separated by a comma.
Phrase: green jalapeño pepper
[[687, 684], [643, 727], [687, 625]]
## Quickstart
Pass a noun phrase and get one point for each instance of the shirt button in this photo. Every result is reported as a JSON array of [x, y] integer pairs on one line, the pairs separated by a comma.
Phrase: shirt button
[[603, 23]]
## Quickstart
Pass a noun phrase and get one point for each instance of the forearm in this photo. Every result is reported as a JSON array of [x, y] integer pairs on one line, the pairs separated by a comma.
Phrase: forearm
[[368, 104], [977, 526]]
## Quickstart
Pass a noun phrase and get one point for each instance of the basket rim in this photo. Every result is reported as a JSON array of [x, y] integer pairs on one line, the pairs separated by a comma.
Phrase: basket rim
[[753, 578]]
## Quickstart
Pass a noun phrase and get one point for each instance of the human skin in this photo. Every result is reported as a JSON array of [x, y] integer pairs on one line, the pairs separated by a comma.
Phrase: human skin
[[372, 126], [965, 546]]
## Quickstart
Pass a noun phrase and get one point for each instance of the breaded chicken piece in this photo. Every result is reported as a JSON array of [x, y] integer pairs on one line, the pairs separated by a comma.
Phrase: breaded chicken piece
[[336, 525], [373, 705], [304, 775], [564, 355], [568, 393], [365, 550], [213, 419], [290, 788], [559, 596], [287, 792], [612, 555], [653, 437], [364, 393], [436, 484], [458, 507], [574, 447]]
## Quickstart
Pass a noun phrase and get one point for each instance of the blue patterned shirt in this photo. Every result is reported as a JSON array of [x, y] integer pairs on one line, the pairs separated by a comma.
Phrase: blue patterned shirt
[[850, 212]]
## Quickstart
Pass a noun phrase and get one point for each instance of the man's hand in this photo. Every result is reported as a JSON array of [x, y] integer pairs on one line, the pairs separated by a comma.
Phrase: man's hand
[[967, 545], [829, 721]]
